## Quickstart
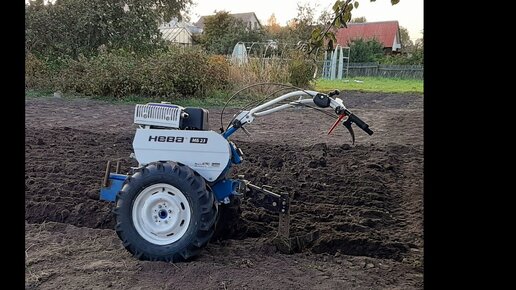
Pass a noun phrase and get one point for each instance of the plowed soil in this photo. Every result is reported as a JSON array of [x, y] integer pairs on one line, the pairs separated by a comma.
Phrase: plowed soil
[[365, 201]]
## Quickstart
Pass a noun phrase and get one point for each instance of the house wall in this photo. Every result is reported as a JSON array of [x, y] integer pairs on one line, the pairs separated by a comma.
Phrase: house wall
[[396, 45], [252, 25]]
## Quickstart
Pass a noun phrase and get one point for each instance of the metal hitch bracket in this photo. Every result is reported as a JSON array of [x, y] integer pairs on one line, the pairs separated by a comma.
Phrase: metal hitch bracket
[[106, 182], [112, 182], [280, 203]]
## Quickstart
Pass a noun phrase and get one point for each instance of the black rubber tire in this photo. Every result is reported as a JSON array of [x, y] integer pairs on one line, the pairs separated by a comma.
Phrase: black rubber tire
[[229, 225], [204, 211]]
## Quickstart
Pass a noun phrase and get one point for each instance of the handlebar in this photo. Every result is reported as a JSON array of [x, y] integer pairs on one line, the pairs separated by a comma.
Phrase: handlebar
[[361, 124], [321, 100]]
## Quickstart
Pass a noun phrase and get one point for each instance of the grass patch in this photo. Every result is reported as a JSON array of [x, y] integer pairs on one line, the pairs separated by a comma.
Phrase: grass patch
[[371, 84], [217, 99], [29, 94]]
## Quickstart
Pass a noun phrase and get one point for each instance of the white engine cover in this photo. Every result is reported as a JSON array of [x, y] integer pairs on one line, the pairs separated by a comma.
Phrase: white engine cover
[[206, 152], [165, 115]]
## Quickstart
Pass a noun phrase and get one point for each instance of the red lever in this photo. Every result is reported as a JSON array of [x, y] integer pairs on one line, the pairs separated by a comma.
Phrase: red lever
[[336, 123]]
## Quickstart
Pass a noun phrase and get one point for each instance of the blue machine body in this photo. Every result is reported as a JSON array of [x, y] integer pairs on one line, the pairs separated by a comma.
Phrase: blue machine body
[[116, 181], [222, 188]]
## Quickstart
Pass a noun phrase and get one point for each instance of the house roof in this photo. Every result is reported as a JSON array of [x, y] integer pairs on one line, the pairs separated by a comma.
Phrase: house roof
[[245, 17], [384, 31]]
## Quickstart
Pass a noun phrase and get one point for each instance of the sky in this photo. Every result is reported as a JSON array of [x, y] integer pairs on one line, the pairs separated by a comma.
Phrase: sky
[[409, 13]]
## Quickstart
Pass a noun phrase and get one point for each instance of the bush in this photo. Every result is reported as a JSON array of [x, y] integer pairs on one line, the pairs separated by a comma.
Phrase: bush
[[36, 72], [176, 72], [183, 73], [258, 71], [218, 76], [108, 74], [301, 71], [186, 72], [415, 58]]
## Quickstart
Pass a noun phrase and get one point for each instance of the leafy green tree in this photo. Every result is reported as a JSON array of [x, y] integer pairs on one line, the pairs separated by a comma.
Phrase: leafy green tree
[[299, 28], [406, 43], [361, 50], [303, 23], [341, 15], [222, 31], [418, 52], [69, 28]]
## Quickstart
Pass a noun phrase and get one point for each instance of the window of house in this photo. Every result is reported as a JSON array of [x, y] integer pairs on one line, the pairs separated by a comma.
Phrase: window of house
[[256, 25]]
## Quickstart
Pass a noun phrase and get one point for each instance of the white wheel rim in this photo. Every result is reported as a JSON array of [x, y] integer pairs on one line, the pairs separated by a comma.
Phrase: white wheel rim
[[161, 214]]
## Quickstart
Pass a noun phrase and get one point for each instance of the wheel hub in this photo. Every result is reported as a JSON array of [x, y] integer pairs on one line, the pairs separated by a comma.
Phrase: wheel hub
[[161, 214]]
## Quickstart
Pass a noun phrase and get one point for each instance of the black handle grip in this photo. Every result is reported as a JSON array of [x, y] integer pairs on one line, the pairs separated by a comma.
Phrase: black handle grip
[[361, 124], [334, 93]]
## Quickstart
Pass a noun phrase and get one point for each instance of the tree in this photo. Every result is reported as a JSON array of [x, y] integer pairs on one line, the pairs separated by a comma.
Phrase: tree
[[297, 29], [406, 44], [325, 18], [359, 20], [69, 28], [222, 31], [419, 43], [273, 31], [342, 15], [292, 23], [362, 50], [418, 52], [273, 26], [304, 22]]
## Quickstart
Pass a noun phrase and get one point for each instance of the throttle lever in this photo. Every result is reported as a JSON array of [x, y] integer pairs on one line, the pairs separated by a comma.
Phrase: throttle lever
[[336, 123]]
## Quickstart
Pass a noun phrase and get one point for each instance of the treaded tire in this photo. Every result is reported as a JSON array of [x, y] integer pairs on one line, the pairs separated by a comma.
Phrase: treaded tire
[[203, 214]]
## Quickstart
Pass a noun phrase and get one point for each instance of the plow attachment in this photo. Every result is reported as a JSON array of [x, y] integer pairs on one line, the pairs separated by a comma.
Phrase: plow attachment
[[280, 204]]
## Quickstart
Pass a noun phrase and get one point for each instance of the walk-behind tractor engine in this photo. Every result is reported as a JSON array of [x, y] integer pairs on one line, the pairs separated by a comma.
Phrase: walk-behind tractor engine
[[168, 207]]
